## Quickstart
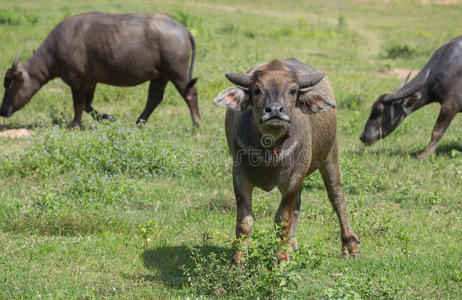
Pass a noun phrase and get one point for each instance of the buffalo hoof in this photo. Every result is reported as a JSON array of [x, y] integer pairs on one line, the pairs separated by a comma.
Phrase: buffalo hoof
[[423, 155], [353, 256], [237, 259], [282, 256], [350, 246], [96, 115], [75, 126], [197, 124], [110, 118]]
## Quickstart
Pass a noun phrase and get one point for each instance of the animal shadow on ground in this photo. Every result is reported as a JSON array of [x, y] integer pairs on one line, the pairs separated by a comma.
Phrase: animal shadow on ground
[[18, 126], [166, 262], [445, 148]]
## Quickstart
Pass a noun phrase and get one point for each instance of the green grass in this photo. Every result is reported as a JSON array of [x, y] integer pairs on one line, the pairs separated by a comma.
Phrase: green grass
[[113, 210]]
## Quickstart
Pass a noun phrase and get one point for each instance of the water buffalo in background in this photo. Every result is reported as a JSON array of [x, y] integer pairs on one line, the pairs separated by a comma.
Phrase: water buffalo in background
[[120, 50], [281, 126], [440, 80]]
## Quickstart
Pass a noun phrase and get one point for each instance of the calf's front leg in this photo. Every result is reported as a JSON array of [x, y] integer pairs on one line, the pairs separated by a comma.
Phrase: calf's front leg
[[287, 217], [244, 223], [442, 123], [330, 173]]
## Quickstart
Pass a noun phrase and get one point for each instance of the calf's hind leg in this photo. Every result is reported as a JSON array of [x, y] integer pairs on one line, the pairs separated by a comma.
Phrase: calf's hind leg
[[78, 97], [155, 95], [89, 93], [189, 93], [330, 173]]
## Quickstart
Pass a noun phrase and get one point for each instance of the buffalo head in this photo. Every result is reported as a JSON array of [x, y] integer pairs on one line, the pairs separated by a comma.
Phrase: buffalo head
[[273, 94], [15, 92], [389, 110]]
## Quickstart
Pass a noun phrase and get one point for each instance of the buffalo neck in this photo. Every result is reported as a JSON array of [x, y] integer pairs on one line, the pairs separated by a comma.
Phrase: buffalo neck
[[38, 69], [424, 100]]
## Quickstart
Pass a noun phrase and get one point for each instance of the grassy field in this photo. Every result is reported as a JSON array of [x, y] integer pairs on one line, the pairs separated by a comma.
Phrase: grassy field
[[114, 210]]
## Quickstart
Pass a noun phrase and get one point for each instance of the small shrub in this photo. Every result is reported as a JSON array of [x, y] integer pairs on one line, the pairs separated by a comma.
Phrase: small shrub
[[400, 51], [188, 20], [9, 18], [17, 17], [366, 288], [228, 28], [404, 193], [342, 23], [352, 101], [457, 276], [256, 277], [250, 33]]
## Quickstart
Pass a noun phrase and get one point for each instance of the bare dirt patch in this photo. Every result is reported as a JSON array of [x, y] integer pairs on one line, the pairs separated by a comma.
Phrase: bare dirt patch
[[442, 2], [401, 73], [16, 133]]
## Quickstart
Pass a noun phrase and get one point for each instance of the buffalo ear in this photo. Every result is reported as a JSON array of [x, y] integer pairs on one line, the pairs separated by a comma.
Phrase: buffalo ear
[[192, 82], [312, 101], [408, 102], [17, 75], [235, 98]]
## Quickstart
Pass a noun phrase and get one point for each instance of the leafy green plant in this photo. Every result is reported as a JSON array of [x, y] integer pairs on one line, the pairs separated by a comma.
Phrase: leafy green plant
[[187, 19], [17, 17], [352, 101], [399, 51], [457, 276], [258, 275], [342, 23], [147, 231], [349, 287], [9, 18]]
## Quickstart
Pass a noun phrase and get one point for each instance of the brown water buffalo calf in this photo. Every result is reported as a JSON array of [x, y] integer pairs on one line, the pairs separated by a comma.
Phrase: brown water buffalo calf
[[281, 126], [120, 50]]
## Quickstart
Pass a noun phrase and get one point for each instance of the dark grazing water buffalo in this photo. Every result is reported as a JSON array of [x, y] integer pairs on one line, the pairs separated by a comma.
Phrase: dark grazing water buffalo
[[440, 81], [281, 126], [120, 50]]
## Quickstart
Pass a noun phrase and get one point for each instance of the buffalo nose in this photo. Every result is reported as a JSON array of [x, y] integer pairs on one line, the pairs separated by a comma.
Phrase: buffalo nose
[[3, 112], [362, 137], [275, 108]]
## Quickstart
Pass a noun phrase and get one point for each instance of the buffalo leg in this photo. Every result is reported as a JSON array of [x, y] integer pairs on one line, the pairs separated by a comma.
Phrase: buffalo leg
[[96, 115], [330, 173], [442, 123], [287, 217], [293, 225], [155, 95], [244, 223], [78, 96], [189, 93]]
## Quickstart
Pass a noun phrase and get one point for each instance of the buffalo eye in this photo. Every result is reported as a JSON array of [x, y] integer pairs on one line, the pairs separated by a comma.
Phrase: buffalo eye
[[293, 92], [256, 91], [7, 83]]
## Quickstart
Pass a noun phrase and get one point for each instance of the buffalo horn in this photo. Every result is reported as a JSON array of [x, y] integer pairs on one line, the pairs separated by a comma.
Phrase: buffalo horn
[[310, 79], [239, 79], [400, 94], [16, 60]]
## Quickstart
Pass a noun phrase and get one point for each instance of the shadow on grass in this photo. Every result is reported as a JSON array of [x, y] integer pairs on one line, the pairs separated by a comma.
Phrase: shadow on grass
[[29, 126], [443, 149], [166, 262], [447, 148]]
